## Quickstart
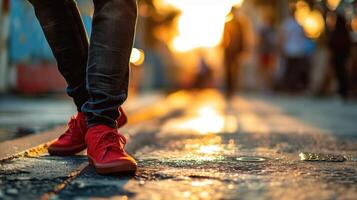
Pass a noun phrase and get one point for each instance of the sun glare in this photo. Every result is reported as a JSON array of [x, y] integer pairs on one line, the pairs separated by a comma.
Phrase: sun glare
[[207, 121], [201, 22], [210, 149]]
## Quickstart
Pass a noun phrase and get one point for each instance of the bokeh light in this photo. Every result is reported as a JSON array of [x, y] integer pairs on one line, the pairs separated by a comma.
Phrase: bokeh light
[[137, 57], [333, 4], [311, 20]]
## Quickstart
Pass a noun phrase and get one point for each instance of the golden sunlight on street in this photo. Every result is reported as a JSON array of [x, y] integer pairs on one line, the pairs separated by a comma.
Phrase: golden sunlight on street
[[208, 120], [209, 149], [206, 117], [178, 99]]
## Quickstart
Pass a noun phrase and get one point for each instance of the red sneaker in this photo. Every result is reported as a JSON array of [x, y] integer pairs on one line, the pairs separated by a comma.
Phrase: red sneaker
[[106, 151], [72, 141]]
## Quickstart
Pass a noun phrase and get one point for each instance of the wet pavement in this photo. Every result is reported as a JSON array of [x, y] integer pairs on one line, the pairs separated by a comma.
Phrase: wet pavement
[[195, 145]]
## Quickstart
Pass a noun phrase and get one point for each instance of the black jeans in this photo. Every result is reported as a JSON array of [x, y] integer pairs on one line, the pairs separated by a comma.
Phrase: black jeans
[[97, 74]]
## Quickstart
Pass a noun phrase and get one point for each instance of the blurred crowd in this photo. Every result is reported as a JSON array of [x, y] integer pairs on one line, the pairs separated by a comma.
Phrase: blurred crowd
[[290, 55], [296, 46]]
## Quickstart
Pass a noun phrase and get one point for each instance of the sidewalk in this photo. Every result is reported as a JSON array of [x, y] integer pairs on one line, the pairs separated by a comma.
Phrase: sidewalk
[[194, 145], [47, 116]]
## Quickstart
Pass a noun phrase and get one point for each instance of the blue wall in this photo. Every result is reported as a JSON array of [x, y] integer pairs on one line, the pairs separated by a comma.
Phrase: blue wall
[[27, 43]]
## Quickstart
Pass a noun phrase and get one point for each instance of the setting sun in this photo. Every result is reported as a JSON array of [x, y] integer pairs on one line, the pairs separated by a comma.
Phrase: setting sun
[[200, 23]]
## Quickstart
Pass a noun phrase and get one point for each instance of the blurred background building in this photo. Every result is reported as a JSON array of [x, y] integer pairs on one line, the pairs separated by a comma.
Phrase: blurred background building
[[304, 47]]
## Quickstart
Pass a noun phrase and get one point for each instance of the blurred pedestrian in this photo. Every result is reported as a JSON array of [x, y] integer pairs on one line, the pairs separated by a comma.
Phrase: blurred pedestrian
[[339, 43], [233, 44], [204, 76], [267, 50], [293, 50], [97, 76]]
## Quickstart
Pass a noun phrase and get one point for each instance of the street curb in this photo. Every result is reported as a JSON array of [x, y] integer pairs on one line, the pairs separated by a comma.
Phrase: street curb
[[32, 152], [31, 145]]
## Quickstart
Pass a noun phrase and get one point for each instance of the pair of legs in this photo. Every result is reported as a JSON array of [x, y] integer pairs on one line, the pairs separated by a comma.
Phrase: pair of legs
[[97, 74]]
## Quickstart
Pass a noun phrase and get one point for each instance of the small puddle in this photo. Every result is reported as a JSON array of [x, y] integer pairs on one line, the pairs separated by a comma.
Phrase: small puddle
[[309, 156], [251, 159]]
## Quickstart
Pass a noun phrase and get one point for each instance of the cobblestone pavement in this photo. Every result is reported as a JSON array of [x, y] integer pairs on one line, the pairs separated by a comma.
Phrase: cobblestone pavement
[[195, 145]]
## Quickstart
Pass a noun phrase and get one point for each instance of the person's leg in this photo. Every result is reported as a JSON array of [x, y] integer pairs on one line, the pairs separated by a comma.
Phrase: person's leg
[[288, 75], [111, 42], [230, 76], [341, 74], [307, 73], [301, 74], [112, 38], [228, 81], [63, 28], [296, 74], [65, 33]]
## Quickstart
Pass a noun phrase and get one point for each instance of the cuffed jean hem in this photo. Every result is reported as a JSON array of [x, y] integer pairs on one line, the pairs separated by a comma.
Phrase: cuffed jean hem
[[79, 95]]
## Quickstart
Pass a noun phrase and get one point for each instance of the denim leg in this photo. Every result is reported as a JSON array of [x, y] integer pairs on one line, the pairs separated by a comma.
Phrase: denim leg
[[62, 25], [113, 30]]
